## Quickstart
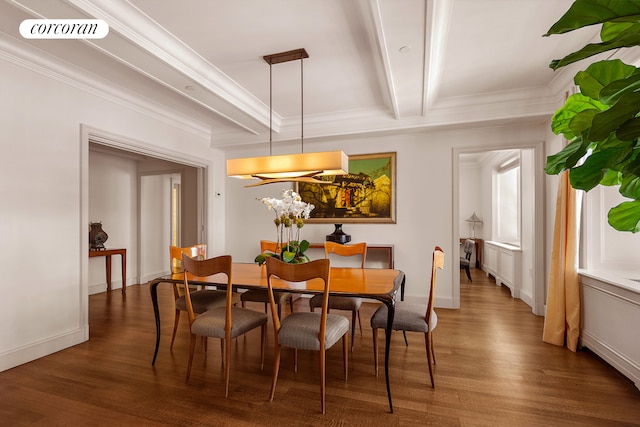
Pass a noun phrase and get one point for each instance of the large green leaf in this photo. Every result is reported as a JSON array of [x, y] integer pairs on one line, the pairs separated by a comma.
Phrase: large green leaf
[[625, 40], [601, 74], [583, 13], [613, 142], [592, 171], [629, 130], [613, 29], [625, 216], [630, 187], [558, 162], [632, 166], [582, 121], [612, 92], [611, 178], [610, 120], [576, 103]]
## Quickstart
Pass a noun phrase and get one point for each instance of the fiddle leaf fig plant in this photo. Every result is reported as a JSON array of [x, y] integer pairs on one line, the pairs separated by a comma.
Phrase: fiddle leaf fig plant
[[602, 121]]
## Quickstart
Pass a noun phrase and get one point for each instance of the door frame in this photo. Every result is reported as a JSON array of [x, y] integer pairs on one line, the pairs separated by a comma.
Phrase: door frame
[[89, 134], [538, 235]]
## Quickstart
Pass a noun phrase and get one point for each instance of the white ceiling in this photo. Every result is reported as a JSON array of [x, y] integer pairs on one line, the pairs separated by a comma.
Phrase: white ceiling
[[374, 65]]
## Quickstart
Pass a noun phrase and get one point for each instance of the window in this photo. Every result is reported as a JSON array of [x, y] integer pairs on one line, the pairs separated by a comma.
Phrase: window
[[506, 204], [175, 211]]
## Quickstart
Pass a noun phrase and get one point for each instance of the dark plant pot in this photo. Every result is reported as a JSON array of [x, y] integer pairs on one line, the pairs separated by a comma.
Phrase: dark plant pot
[[338, 235], [97, 236]]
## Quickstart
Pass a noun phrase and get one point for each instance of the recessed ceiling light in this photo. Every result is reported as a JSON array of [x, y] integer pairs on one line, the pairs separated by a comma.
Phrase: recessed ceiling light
[[405, 49]]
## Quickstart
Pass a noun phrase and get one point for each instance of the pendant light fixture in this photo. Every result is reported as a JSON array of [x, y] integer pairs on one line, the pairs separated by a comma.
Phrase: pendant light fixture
[[302, 167]]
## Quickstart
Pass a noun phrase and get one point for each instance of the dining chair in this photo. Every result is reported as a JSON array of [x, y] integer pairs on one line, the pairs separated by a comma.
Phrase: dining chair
[[351, 304], [202, 300], [412, 317], [465, 261], [225, 322], [305, 330], [261, 295]]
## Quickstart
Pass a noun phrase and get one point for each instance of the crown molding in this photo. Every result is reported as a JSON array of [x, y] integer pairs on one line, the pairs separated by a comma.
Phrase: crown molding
[[146, 34], [38, 61]]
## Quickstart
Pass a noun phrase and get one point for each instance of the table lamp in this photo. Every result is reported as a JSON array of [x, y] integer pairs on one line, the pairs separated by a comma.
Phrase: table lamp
[[473, 219]]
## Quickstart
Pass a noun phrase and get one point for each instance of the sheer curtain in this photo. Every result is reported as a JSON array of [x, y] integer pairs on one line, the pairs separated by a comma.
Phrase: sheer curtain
[[562, 320]]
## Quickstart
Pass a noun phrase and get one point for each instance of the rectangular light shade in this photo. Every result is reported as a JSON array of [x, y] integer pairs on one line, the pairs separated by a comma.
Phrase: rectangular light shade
[[289, 165]]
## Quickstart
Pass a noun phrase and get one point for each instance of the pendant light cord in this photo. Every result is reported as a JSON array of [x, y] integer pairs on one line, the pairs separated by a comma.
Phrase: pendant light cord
[[270, 107], [302, 104]]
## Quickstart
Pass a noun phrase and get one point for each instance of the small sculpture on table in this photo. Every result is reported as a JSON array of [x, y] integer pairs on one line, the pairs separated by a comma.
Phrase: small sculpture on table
[[338, 235], [97, 236]]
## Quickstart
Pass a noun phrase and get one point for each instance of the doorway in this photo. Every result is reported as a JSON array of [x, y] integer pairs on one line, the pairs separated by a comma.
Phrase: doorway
[[156, 198], [475, 185]]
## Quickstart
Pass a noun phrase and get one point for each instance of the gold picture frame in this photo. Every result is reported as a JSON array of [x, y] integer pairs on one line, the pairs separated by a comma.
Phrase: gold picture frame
[[367, 194]]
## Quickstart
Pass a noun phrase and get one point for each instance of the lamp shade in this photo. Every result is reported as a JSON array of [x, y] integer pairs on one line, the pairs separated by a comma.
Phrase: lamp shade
[[289, 165], [474, 219]]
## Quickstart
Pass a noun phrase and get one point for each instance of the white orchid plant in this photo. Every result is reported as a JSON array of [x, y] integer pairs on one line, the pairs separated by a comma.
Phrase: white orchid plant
[[290, 212]]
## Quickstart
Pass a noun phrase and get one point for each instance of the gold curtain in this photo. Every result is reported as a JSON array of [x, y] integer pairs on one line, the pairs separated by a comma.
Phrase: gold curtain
[[562, 321]]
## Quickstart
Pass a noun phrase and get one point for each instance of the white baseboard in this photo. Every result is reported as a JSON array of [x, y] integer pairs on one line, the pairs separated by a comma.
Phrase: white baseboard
[[27, 353], [627, 367]]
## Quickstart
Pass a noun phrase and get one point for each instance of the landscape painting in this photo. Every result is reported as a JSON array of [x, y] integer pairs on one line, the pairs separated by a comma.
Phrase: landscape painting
[[365, 195]]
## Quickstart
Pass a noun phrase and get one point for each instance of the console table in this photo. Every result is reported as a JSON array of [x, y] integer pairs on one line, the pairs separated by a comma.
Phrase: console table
[[388, 248], [107, 253]]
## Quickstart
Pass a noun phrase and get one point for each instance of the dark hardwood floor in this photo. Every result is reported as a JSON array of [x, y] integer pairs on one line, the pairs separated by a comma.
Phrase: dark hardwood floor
[[492, 370]]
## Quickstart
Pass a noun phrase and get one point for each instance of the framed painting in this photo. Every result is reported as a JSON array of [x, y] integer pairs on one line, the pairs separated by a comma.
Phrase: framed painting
[[367, 194]]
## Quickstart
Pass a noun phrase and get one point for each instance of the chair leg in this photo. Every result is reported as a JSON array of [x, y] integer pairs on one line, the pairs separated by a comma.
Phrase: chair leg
[[433, 354], [291, 304], [263, 338], [404, 334], [427, 339], [322, 379], [375, 350], [192, 348], [295, 360], [175, 327], [276, 368], [222, 345], [359, 321], [227, 363], [354, 314], [467, 270], [345, 355]]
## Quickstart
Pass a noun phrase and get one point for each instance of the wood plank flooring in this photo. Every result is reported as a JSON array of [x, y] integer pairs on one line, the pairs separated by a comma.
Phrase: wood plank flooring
[[492, 370]]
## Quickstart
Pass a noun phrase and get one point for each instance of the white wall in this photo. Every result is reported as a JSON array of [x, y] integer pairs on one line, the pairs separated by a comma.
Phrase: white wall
[[113, 201], [44, 175], [472, 193], [155, 235], [425, 202]]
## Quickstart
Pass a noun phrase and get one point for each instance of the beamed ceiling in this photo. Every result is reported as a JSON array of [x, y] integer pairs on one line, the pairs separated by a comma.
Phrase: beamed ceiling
[[374, 66]]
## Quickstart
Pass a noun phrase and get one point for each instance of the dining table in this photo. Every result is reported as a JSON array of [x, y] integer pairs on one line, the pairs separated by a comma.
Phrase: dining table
[[373, 283]]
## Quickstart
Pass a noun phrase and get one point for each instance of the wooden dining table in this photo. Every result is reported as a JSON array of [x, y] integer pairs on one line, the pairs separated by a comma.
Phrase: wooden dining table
[[375, 283]]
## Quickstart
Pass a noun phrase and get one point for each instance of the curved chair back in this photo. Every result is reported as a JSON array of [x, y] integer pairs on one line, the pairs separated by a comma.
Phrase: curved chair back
[[295, 273], [437, 263], [346, 250], [203, 268], [468, 248], [198, 251], [267, 245]]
